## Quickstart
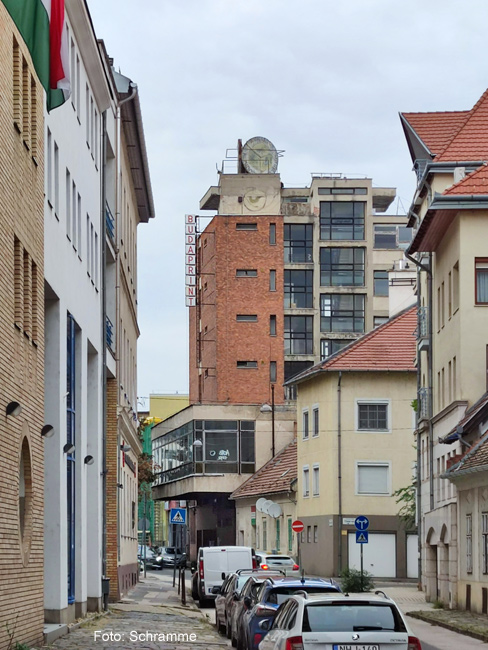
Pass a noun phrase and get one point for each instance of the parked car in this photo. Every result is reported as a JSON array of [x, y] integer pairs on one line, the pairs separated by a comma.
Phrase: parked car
[[243, 602], [148, 557], [270, 596], [214, 563], [339, 621], [168, 556], [227, 595], [270, 561]]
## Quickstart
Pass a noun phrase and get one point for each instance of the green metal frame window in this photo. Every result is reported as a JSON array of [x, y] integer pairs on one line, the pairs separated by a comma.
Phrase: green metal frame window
[[380, 286], [290, 535], [298, 334], [298, 243], [342, 313], [278, 535], [298, 289], [342, 220], [342, 267]]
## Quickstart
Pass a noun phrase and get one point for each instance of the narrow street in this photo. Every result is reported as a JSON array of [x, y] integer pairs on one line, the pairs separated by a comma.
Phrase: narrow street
[[153, 618]]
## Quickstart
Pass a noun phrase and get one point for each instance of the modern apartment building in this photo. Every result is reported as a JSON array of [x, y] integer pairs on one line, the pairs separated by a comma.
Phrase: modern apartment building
[[284, 277], [22, 342], [449, 214], [299, 271]]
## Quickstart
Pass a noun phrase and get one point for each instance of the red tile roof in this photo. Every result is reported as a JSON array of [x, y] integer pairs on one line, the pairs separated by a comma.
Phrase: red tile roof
[[471, 140], [455, 136], [389, 347], [436, 129], [472, 184], [276, 476]]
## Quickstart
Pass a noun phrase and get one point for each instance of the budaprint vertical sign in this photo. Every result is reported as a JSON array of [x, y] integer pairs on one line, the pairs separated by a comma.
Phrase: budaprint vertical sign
[[190, 259]]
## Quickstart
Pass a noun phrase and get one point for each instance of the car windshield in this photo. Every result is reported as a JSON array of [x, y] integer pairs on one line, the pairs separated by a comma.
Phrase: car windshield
[[353, 616], [278, 595], [241, 581]]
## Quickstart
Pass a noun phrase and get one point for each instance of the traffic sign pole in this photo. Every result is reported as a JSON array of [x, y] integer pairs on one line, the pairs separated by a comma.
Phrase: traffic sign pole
[[297, 527], [362, 545]]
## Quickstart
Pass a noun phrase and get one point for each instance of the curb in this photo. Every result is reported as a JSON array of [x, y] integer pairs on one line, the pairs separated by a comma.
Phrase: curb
[[449, 626]]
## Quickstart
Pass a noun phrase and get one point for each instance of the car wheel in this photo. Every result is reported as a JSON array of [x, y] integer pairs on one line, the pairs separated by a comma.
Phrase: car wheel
[[221, 627]]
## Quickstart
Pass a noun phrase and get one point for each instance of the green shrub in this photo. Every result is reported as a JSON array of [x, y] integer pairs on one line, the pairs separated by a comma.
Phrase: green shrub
[[351, 581], [438, 604], [21, 646]]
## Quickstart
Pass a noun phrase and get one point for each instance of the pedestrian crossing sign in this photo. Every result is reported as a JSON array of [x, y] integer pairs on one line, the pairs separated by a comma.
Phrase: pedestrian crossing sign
[[361, 537], [177, 516]]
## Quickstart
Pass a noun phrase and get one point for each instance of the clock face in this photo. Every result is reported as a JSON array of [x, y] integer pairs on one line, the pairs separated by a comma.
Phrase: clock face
[[259, 156]]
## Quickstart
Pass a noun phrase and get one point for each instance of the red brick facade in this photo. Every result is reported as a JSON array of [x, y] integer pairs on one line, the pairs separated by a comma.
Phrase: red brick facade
[[112, 489], [223, 340]]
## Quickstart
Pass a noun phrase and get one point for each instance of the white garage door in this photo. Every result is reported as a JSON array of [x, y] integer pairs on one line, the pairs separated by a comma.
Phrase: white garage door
[[412, 556], [379, 554]]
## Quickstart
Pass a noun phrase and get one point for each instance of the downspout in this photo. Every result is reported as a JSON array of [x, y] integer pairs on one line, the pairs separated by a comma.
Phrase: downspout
[[339, 470], [428, 271], [104, 351]]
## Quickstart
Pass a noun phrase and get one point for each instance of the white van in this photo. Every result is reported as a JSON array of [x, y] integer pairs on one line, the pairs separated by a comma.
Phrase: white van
[[215, 563]]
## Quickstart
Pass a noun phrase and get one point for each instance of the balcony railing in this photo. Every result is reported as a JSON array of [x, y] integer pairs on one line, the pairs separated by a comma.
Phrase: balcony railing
[[109, 222], [109, 334], [424, 403], [423, 322]]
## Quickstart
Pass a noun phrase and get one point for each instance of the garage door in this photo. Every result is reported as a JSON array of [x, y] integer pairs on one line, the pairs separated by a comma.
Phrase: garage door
[[379, 555], [412, 556]]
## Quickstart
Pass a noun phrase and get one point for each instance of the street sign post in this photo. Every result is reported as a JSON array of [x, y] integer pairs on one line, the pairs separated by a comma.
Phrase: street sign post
[[297, 527], [362, 525], [177, 516]]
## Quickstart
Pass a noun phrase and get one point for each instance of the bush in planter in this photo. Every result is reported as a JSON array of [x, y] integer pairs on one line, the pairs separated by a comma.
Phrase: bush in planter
[[351, 581]]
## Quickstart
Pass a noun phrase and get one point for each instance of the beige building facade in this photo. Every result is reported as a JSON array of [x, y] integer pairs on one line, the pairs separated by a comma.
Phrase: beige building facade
[[355, 450], [22, 342], [449, 215], [128, 203]]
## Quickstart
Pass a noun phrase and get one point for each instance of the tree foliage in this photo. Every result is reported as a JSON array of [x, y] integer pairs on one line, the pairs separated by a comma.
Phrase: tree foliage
[[146, 474], [406, 498]]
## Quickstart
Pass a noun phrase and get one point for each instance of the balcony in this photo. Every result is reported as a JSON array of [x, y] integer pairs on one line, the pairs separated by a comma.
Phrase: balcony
[[109, 334], [425, 396], [423, 329], [109, 222]]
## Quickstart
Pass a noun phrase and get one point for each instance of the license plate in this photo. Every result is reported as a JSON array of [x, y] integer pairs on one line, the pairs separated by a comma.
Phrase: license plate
[[348, 646]]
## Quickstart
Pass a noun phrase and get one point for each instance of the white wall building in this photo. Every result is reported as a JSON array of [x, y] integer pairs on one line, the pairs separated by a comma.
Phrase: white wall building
[[75, 331]]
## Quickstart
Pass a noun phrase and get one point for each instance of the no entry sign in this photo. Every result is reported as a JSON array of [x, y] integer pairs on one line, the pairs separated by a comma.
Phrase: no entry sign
[[297, 526]]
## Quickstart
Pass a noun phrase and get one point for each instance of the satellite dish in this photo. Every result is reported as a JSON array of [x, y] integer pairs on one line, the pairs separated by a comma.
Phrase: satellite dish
[[259, 504], [274, 510], [259, 156], [266, 505]]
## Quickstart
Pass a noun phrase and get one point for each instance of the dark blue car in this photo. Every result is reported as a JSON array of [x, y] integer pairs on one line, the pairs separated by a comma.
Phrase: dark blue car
[[271, 594]]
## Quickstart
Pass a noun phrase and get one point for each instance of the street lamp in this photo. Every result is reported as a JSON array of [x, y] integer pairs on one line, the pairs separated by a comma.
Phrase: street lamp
[[266, 408]]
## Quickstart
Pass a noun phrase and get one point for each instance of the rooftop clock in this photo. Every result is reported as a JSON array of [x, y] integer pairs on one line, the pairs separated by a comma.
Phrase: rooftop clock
[[259, 156]]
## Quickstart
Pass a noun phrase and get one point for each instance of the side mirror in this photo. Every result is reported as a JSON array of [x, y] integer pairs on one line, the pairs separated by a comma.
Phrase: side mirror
[[247, 602], [216, 590], [264, 625]]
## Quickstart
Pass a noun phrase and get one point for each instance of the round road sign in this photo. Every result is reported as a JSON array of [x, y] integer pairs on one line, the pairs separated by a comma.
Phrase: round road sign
[[297, 526]]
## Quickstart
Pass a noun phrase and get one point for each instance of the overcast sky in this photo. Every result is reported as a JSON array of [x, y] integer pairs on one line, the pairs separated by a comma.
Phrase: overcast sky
[[324, 81]]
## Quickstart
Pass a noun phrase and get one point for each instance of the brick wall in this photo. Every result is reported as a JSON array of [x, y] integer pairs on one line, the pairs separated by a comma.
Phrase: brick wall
[[21, 342], [224, 341], [112, 489]]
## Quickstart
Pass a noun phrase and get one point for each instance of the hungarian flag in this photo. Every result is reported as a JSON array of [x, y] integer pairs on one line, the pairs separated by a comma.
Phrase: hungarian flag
[[42, 25]]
